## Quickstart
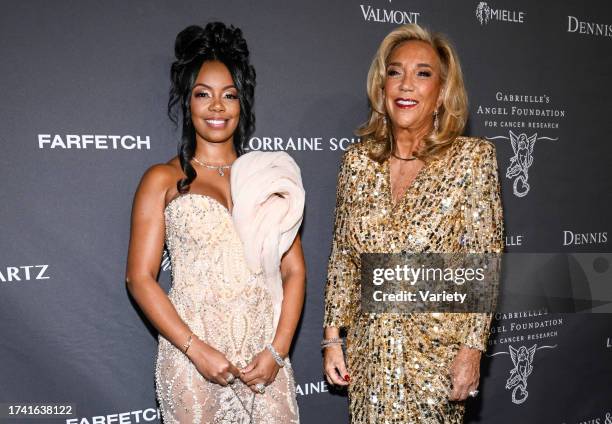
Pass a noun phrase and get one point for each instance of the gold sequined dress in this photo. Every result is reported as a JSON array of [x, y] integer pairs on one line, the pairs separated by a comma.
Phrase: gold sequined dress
[[399, 364], [226, 306]]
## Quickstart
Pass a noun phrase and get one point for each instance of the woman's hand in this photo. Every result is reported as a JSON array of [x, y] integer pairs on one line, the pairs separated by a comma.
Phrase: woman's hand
[[464, 373], [334, 365], [211, 363], [262, 369]]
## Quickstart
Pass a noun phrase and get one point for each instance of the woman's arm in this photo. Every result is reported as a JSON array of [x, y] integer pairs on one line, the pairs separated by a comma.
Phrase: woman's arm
[[341, 290], [483, 223], [293, 273], [263, 369], [484, 226], [144, 256]]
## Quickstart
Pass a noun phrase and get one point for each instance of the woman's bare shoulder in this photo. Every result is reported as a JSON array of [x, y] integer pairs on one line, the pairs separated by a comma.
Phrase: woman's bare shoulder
[[161, 176]]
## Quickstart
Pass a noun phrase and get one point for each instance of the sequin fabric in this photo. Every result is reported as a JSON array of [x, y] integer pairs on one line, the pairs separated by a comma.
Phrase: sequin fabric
[[399, 364], [226, 306]]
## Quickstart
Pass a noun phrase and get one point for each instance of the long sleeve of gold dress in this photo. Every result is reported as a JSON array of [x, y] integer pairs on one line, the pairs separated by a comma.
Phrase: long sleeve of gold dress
[[399, 363]]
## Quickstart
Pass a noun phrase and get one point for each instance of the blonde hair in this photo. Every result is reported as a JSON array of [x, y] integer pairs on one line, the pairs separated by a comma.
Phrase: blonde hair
[[452, 113]]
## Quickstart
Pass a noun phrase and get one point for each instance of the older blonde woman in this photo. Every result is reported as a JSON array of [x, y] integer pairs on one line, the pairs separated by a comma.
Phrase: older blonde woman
[[413, 184]]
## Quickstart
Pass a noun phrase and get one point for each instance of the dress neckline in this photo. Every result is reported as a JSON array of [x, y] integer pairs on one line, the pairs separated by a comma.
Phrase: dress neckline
[[404, 195], [206, 196]]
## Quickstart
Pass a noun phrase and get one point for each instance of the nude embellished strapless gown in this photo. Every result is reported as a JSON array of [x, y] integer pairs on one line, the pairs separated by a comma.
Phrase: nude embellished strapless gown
[[226, 306]]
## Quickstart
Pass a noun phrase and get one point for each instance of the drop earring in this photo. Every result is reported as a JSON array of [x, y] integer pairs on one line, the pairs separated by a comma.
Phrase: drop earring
[[436, 122]]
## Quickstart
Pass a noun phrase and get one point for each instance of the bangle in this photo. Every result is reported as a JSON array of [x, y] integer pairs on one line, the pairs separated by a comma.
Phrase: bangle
[[279, 360], [187, 343], [332, 341]]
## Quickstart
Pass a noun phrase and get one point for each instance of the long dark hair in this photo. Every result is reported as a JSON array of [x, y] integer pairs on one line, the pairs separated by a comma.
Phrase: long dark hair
[[195, 45]]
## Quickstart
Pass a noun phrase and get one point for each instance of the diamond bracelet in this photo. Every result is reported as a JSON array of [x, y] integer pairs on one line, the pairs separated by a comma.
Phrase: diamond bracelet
[[279, 360], [328, 342]]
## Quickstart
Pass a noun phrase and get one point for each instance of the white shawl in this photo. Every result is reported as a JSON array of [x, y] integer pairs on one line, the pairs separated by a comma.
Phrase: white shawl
[[268, 206]]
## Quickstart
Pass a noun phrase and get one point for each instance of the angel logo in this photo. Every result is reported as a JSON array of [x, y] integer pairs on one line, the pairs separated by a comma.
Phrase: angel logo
[[483, 12], [522, 359], [522, 145]]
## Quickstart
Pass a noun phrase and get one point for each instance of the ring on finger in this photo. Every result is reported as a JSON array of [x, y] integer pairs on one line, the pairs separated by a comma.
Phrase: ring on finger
[[230, 379], [473, 393], [261, 388]]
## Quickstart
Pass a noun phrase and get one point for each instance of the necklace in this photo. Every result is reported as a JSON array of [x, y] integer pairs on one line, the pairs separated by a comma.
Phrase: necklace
[[401, 158], [219, 168]]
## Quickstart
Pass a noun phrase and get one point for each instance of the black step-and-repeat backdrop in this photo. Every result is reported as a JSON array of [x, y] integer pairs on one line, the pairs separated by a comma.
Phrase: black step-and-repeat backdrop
[[84, 88]]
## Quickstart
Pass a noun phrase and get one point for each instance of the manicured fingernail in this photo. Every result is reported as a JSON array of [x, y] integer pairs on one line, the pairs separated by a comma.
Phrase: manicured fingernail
[[347, 378]]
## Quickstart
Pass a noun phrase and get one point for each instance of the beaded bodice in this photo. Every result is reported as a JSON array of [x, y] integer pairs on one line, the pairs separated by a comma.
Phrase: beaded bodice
[[227, 307], [210, 278]]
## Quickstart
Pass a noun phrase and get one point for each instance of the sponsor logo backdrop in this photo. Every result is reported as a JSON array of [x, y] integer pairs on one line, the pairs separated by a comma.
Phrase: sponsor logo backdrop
[[84, 91]]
